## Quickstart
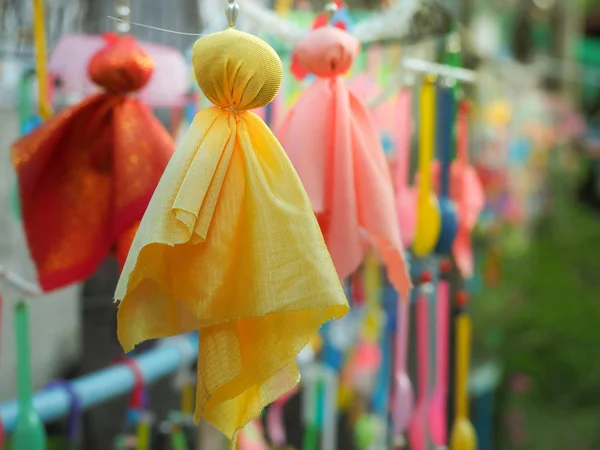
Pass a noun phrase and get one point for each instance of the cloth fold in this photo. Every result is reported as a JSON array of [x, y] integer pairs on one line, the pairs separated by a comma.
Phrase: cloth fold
[[85, 177]]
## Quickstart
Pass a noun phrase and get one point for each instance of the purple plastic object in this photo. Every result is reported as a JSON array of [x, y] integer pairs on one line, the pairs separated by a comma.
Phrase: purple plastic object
[[76, 409], [403, 397]]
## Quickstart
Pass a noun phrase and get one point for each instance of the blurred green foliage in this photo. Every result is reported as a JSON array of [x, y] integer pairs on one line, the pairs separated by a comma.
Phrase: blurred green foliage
[[543, 320]]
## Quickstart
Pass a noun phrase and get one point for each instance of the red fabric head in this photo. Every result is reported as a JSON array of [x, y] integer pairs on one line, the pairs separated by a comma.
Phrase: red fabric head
[[122, 66]]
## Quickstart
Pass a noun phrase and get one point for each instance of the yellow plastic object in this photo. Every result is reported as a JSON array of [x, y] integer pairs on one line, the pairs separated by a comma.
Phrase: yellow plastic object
[[229, 245], [462, 436], [372, 274], [428, 213], [316, 343], [187, 398], [282, 7], [39, 35], [345, 397], [143, 434]]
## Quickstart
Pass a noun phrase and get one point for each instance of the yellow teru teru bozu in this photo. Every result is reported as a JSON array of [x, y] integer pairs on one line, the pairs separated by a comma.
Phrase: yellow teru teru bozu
[[229, 245]]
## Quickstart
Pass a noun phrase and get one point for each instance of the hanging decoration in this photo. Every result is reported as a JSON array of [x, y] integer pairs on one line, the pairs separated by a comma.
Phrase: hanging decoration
[[428, 213], [462, 435], [341, 162], [229, 245], [467, 191], [87, 174]]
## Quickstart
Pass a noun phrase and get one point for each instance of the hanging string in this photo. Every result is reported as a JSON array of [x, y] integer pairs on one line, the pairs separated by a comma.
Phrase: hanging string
[[39, 34], [164, 30]]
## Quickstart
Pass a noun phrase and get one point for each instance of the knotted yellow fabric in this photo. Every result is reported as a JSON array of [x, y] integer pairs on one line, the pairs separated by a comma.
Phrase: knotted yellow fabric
[[229, 245]]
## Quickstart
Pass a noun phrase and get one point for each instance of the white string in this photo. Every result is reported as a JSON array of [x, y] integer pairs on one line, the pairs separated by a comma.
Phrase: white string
[[164, 30], [18, 282]]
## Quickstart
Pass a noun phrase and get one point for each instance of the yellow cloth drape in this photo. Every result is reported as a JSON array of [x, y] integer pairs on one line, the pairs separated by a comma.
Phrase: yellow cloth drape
[[229, 246]]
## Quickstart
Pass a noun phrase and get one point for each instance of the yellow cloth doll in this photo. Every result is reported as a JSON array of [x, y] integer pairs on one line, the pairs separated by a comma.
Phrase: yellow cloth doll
[[229, 245]]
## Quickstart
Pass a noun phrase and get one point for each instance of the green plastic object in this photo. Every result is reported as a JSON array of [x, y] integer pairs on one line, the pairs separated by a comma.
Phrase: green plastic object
[[24, 99], [365, 431], [453, 58], [178, 440], [16, 202], [29, 433], [311, 437]]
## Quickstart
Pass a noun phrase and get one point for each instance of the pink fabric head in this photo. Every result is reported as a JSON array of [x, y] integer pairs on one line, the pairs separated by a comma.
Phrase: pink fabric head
[[327, 52]]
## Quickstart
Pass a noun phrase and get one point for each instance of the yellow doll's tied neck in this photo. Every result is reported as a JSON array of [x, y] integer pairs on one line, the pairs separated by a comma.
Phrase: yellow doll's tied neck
[[229, 246]]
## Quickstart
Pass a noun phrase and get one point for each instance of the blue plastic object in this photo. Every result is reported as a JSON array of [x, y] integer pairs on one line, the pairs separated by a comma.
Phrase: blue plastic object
[[30, 124], [342, 15], [519, 151], [189, 111], [381, 395], [99, 387], [269, 114], [484, 420], [29, 431], [387, 143], [446, 108]]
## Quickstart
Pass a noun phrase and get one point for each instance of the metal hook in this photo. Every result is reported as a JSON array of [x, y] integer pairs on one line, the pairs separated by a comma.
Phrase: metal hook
[[123, 12], [231, 12]]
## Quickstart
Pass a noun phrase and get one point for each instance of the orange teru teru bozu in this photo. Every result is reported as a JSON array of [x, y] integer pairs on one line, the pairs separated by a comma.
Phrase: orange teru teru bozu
[[87, 174]]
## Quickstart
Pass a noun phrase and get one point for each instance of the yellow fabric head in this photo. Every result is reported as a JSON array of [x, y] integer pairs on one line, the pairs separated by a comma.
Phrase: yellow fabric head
[[236, 70], [229, 246]]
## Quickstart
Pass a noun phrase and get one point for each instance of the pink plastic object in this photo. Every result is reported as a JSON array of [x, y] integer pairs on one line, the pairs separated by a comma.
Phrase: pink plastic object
[[275, 425], [438, 426], [252, 437], [466, 189], [333, 144], [368, 357], [167, 87], [403, 392], [417, 432], [406, 196]]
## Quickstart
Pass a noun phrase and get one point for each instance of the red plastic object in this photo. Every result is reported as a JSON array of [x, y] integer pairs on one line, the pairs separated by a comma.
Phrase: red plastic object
[[426, 277], [2, 435], [357, 290], [445, 266], [137, 396], [462, 298]]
